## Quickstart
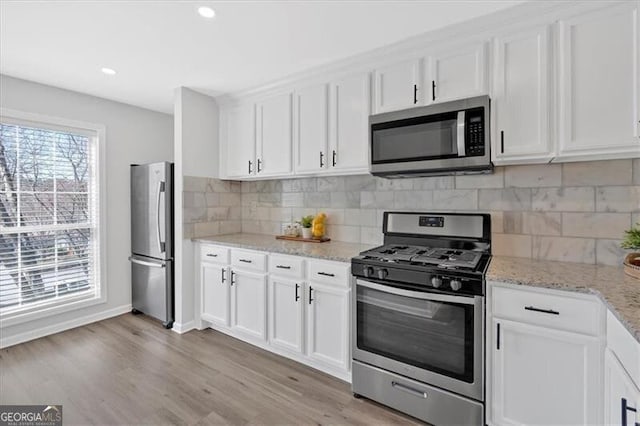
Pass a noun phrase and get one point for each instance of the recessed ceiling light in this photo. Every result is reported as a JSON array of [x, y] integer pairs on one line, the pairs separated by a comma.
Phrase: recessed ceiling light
[[206, 12], [109, 71]]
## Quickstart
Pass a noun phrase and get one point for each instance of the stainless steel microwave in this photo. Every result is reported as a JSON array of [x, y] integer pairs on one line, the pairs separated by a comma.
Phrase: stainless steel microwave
[[442, 139]]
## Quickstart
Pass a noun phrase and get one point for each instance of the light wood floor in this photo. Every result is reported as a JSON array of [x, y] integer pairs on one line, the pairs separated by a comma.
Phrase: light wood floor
[[129, 370]]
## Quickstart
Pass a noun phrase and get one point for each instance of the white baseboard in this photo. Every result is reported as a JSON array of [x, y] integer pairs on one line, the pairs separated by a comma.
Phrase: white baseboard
[[63, 326], [183, 328]]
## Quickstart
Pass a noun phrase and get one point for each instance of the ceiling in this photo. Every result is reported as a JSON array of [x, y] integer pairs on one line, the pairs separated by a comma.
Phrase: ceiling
[[156, 46]]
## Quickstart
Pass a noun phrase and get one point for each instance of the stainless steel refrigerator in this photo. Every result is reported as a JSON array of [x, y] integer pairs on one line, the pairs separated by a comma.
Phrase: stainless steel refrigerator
[[151, 257]]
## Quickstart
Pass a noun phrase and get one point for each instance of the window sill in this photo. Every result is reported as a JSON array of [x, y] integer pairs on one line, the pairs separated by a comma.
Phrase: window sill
[[55, 308]]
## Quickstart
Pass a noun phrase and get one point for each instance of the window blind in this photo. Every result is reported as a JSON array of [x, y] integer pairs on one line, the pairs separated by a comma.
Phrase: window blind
[[48, 216]]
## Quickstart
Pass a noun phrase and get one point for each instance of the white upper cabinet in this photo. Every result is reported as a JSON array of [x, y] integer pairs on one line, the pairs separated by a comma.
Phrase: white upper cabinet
[[350, 109], [311, 104], [598, 84], [520, 98], [397, 86], [239, 141], [456, 73], [273, 121]]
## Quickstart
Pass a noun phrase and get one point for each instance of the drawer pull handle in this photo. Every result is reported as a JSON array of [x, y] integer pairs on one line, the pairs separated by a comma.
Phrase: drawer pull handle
[[498, 336], [310, 291], [326, 274], [623, 413], [211, 255], [283, 267], [233, 278], [224, 279], [409, 390], [297, 293], [244, 260], [544, 311]]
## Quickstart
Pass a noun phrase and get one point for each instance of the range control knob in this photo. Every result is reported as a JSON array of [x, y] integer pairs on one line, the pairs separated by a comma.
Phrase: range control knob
[[455, 285], [367, 271], [436, 282], [382, 273]]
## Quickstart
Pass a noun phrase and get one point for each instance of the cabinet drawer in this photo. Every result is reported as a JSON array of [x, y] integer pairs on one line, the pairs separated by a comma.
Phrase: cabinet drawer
[[549, 309], [214, 254], [286, 266], [249, 260], [624, 346], [333, 273]]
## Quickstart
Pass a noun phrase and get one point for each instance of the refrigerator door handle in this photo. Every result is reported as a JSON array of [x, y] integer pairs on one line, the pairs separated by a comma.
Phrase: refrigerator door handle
[[161, 243], [145, 263]]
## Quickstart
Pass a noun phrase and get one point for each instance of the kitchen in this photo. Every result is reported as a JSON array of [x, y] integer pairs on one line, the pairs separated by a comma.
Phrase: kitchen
[[553, 335]]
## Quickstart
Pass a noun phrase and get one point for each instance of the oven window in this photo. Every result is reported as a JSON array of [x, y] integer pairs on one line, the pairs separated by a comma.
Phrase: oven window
[[414, 141], [436, 336]]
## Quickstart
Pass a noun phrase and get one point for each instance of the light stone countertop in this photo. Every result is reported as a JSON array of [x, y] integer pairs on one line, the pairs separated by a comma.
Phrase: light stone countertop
[[331, 250], [620, 292]]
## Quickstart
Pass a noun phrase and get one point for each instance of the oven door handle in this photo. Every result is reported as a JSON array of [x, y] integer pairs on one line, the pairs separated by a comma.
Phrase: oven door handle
[[463, 300], [462, 152]]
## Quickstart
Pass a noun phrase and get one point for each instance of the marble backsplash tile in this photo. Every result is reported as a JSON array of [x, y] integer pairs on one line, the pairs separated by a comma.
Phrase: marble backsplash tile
[[210, 207], [573, 212]]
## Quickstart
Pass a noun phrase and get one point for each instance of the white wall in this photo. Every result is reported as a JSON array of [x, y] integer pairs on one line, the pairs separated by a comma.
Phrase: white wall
[[133, 135], [196, 154]]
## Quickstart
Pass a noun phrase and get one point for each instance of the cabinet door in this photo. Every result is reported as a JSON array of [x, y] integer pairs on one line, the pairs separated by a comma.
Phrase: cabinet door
[[350, 109], [543, 376], [311, 129], [215, 293], [598, 84], [286, 301], [248, 304], [328, 325], [456, 73], [521, 97], [274, 136], [396, 86], [240, 142], [618, 385]]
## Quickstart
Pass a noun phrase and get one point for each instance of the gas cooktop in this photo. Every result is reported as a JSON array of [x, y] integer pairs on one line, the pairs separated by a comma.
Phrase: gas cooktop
[[441, 256], [447, 252]]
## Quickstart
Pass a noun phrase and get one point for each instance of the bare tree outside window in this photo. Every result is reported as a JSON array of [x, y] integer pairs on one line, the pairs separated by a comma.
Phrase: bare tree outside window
[[46, 222]]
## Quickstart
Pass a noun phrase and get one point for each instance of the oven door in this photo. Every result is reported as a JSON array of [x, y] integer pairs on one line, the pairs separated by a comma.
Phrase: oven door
[[429, 337]]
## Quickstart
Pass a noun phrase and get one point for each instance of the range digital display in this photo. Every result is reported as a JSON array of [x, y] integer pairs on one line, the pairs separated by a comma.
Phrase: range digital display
[[431, 221]]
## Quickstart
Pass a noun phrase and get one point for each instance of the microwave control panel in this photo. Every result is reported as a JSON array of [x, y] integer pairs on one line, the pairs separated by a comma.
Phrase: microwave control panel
[[475, 132]]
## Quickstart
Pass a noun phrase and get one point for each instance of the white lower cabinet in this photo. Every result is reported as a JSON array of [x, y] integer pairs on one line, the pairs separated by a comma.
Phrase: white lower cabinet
[[543, 376], [215, 293], [249, 303], [544, 357], [286, 307], [293, 306], [328, 325], [621, 396]]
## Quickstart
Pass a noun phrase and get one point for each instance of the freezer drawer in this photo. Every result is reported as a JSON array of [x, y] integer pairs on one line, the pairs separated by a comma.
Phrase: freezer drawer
[[152, 288]]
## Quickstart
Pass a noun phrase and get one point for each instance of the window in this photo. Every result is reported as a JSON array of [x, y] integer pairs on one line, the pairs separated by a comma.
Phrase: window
[[49, 230]]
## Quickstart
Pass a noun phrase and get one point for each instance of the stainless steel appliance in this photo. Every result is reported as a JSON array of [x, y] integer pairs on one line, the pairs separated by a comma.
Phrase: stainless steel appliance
[[418, 316], [447, 138], [152, 241]]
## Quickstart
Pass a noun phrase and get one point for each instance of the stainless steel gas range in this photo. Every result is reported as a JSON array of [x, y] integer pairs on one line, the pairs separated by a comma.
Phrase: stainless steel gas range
[[418, 316]]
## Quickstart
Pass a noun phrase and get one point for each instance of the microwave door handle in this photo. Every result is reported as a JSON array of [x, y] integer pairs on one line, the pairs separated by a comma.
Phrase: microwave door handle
[[460, 135]]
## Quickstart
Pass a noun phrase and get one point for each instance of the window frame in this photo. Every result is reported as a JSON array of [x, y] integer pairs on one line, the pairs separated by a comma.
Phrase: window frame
[[47, 308]]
